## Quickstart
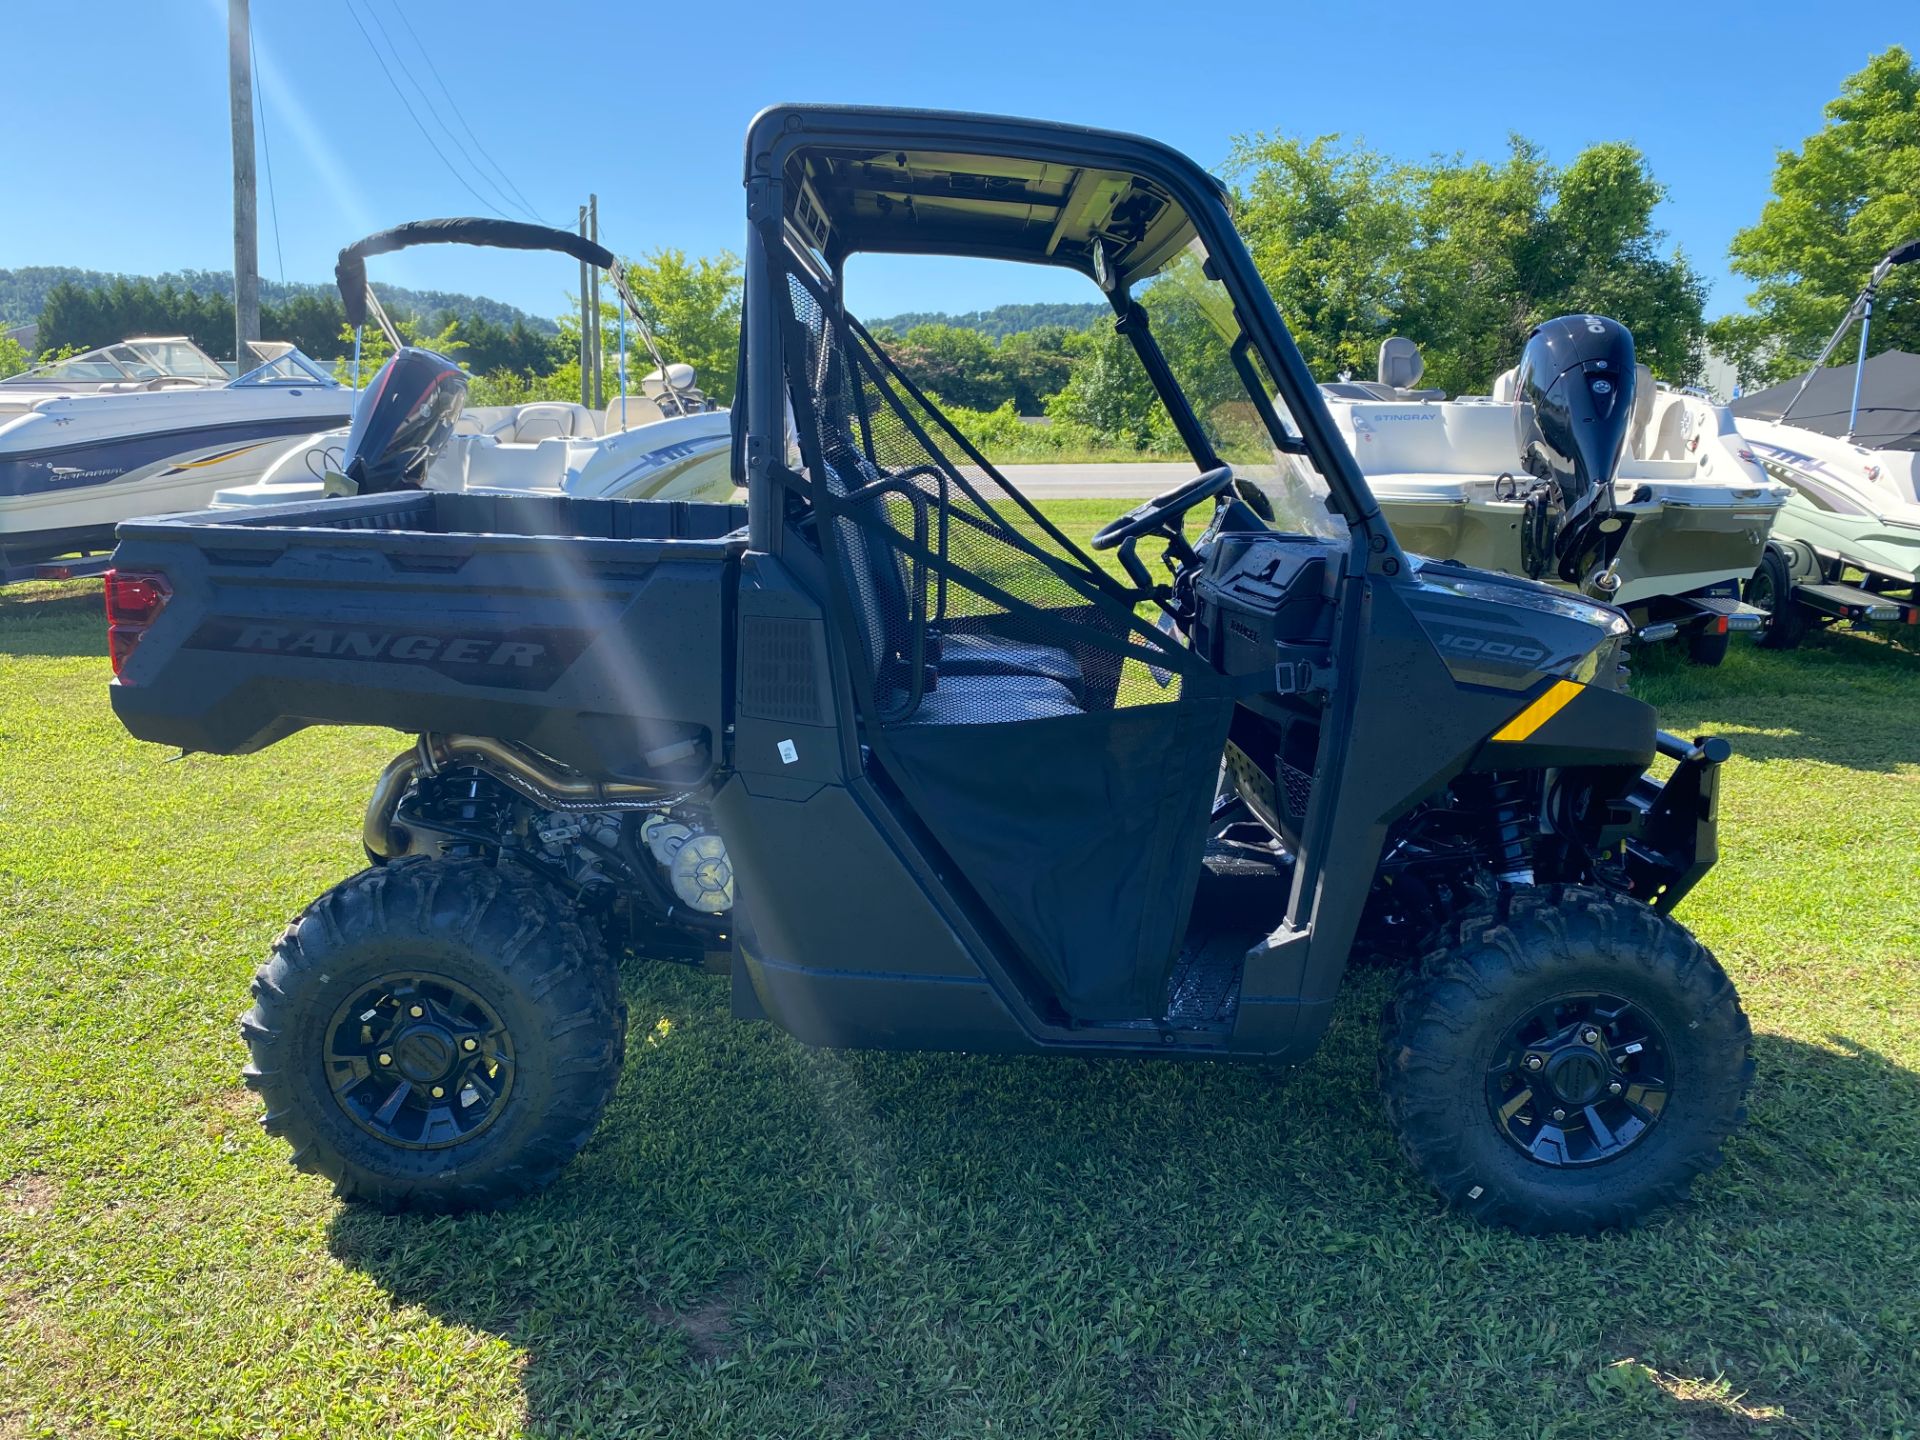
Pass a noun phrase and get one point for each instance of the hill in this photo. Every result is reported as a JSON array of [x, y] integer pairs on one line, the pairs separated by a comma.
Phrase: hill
[[1002, 320], [24, 291]]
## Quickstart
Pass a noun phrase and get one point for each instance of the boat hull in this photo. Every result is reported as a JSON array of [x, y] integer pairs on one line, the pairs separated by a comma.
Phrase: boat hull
[[56, 499], [1672, 547]]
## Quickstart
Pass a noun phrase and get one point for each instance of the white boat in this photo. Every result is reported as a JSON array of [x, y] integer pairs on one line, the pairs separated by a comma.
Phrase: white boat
[[1690, 506], [78, 445], [1846, 441], [667, 442]]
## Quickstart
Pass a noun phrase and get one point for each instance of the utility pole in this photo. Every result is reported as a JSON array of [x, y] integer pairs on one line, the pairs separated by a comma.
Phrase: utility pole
[[593, 234], [246, 231], [586, 324]]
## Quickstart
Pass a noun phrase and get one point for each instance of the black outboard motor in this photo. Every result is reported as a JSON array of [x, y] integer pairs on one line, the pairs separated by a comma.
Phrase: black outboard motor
[[1573, 407], [403, 421]]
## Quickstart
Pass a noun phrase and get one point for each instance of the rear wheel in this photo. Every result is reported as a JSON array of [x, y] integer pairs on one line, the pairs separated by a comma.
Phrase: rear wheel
[[1771, 589], [435, 1034], [1569, 1065]]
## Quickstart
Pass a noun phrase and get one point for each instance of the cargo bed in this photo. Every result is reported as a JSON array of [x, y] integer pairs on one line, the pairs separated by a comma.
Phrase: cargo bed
[[591, 630]]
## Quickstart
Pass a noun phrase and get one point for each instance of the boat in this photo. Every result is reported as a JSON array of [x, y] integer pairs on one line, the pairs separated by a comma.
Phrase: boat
[[75, 461], [143, 363], [1845, 440], [1677, 525], [667, 441]]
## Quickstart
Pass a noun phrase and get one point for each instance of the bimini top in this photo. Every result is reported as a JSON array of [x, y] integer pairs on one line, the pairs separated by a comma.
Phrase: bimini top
[[350, 270], [1889, 402], [872, 179]]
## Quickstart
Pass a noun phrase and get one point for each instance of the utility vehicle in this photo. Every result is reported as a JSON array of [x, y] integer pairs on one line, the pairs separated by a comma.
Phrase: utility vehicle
[[917, 771]]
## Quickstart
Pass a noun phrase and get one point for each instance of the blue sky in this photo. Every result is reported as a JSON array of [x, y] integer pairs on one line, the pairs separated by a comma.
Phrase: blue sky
[[117, 156]]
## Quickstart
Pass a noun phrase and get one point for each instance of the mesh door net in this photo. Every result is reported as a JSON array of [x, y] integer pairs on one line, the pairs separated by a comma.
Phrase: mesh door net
[[1062, 751]]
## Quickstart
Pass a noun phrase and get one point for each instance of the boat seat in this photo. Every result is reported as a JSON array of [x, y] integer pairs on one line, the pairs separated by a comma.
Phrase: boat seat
[[1645, 391], [1506, 384], [641, 410], [1400, 363], [989, 700], [549, 418]]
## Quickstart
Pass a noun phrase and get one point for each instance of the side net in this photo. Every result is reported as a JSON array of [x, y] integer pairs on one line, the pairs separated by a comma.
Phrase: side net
[[1061, 748]]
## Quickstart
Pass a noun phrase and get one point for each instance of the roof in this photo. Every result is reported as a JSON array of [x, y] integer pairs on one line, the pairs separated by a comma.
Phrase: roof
[[866, 178], [1889, 402]]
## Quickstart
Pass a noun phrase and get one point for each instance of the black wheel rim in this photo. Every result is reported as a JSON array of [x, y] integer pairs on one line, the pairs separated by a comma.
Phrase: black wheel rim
[[1760, 590], [419, 1061], [1579, 1080]]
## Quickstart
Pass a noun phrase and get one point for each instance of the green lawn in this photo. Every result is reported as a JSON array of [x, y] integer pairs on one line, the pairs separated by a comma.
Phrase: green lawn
[[768, 1241]]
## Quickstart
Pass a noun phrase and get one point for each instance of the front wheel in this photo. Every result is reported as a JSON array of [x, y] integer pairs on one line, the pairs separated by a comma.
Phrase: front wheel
[[1569, 1065], [435, 1035]]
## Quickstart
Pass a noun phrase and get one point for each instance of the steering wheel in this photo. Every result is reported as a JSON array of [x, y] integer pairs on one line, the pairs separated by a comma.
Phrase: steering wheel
[[1159, 512]]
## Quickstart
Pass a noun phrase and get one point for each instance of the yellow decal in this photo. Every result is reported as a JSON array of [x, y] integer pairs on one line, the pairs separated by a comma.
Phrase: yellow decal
[[1522, 726]]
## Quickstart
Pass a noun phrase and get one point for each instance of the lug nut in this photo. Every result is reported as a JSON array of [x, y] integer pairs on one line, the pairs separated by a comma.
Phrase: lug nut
[[469, 1044], [385, 1059], [1559, 1114], [1592, 1037], [439, 1091], [417, 1011], [1534, 1062], [1614, 1088]]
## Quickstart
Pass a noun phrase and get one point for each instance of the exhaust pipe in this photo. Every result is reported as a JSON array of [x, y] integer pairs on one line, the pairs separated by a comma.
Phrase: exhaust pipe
[[547, 784]]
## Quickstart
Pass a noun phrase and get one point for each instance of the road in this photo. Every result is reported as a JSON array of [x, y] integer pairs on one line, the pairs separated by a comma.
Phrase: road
[[1132, 480]]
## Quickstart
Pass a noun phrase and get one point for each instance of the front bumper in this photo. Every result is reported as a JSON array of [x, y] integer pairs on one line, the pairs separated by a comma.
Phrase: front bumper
[[1673, 836]]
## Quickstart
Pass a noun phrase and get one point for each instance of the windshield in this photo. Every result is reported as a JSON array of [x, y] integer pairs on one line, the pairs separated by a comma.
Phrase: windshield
[[1220, 372], [174, 357]]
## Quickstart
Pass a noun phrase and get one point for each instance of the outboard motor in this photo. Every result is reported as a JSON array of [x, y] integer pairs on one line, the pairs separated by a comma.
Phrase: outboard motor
[[403, 421], [1573, 407]]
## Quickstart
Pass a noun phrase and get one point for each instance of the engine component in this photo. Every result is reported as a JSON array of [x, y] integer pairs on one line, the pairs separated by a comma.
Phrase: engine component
[[664, 837], [702, 875], [1573, 407]]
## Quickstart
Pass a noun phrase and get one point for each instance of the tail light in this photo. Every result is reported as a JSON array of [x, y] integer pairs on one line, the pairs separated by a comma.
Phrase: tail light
[[135, 599]]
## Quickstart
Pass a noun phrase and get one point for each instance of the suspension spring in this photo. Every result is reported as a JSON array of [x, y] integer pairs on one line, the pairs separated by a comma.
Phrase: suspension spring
[[1512, 825]]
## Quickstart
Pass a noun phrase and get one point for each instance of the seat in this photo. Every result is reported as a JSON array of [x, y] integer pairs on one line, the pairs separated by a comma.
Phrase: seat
[[1644, 391], [1400, 363], [958, 658], [640, 410], [1506, 385], [988, 700], [547, 419], [969, 653]]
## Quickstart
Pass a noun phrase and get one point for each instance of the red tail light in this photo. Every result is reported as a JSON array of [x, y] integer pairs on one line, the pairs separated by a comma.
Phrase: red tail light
[[135, 599]]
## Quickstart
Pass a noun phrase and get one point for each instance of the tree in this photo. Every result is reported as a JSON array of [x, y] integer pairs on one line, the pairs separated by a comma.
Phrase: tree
[[1463, 258], [13, 357], [1848, 195], [1330, 227], [693, 309]]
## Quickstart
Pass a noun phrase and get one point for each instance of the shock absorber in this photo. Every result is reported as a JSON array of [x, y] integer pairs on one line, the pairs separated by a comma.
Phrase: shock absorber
[[1511, 820]]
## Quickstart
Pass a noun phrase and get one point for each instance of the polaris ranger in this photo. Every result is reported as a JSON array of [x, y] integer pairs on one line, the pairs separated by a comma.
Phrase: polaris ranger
[[918, 772]]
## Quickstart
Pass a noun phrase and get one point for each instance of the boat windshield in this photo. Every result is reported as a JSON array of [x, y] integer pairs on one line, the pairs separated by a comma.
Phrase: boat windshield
[[166, 357], [289, 367], [1236, 401]]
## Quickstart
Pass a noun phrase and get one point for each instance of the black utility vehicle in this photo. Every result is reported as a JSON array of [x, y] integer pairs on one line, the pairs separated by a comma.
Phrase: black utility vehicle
[[917, 771]]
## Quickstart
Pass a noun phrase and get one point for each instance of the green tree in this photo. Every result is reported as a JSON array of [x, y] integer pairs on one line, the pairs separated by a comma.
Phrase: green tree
[[13, 357], [1330, 227], [1848, 195], [1463, 258], [693, 308]]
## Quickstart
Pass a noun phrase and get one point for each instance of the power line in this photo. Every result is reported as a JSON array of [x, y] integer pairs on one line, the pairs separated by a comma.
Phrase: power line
[[408, 105], [454, 105], [373, 14], [266, 150]]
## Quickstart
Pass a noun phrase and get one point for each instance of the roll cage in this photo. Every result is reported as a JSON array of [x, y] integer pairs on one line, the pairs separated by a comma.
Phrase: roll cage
[[827, 182]]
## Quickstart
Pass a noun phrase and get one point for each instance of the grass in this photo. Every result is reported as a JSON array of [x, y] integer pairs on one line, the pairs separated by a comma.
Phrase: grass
[[763, 1240]]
